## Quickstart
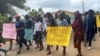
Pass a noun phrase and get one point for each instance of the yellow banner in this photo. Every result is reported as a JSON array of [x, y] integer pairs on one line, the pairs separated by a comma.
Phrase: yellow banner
[[98, 20], [58, 35]]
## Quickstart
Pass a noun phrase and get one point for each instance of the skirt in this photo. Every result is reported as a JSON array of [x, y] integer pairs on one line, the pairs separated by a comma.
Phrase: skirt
[[38, 35], [28, 34]]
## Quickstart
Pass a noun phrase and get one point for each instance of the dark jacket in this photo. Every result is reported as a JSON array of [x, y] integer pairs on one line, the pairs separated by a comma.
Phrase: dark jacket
[[90, 24], [20, 24]]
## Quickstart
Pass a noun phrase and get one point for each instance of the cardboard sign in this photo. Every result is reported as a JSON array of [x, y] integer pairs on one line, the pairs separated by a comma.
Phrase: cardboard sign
[[9, 31], [58, 35]]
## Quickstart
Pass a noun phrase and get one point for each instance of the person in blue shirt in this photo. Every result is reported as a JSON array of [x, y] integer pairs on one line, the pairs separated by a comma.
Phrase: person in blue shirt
[[90, 27], [20, 34]]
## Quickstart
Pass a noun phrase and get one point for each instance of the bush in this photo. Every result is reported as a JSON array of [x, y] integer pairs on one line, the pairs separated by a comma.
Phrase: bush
[[3, 18]]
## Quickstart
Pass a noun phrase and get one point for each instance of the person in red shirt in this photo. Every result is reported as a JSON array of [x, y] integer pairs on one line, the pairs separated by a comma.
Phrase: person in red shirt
[[78, 32]]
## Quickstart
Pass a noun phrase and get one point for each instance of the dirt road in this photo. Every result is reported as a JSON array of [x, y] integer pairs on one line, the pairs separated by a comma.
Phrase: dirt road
[[71, 51]]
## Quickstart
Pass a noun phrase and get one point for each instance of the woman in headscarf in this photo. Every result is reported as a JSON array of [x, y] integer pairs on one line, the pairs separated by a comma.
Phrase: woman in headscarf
[[78, 32]]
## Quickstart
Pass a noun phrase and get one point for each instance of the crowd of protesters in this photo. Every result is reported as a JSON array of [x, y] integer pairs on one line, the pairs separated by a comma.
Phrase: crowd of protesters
[[35, 29]]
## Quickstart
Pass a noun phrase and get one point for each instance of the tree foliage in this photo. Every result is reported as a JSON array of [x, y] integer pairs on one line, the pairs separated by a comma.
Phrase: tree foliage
[[6, 6], [3, 19], [32, 12], [41, 12]]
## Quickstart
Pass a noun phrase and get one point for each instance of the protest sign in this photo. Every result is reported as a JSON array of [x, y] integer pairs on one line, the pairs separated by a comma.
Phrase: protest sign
[[58, 35], [9, 31]]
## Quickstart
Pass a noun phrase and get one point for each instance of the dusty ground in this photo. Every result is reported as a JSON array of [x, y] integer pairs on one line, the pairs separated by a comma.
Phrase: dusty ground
[[71, 51]]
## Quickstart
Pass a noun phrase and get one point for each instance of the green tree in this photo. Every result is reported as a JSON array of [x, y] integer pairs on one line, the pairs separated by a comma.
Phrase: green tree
[[3, 18], [6, 6], [32, 12], [41, 12]]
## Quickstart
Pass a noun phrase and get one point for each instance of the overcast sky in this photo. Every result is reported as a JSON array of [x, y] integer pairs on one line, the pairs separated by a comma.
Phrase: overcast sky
[[69, 5]]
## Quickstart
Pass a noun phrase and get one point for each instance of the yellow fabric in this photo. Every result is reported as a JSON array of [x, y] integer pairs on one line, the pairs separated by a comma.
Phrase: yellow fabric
[[98, 20]]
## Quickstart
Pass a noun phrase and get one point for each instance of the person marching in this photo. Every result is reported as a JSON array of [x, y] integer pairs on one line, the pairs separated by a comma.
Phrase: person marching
[[20, 34], [64, 21], [38, 29], [50, 21], [28, 30], [11, 40], [90, 28], [78, 32]]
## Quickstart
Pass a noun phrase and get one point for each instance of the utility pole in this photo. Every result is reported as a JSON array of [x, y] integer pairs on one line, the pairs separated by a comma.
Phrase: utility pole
[[83, 6]]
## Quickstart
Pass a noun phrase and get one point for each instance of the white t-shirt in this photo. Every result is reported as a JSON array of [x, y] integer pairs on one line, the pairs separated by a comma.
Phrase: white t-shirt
[[38, 27]]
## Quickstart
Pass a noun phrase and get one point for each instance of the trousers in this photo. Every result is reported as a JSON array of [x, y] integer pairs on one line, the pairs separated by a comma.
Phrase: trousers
[[89, 37]]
